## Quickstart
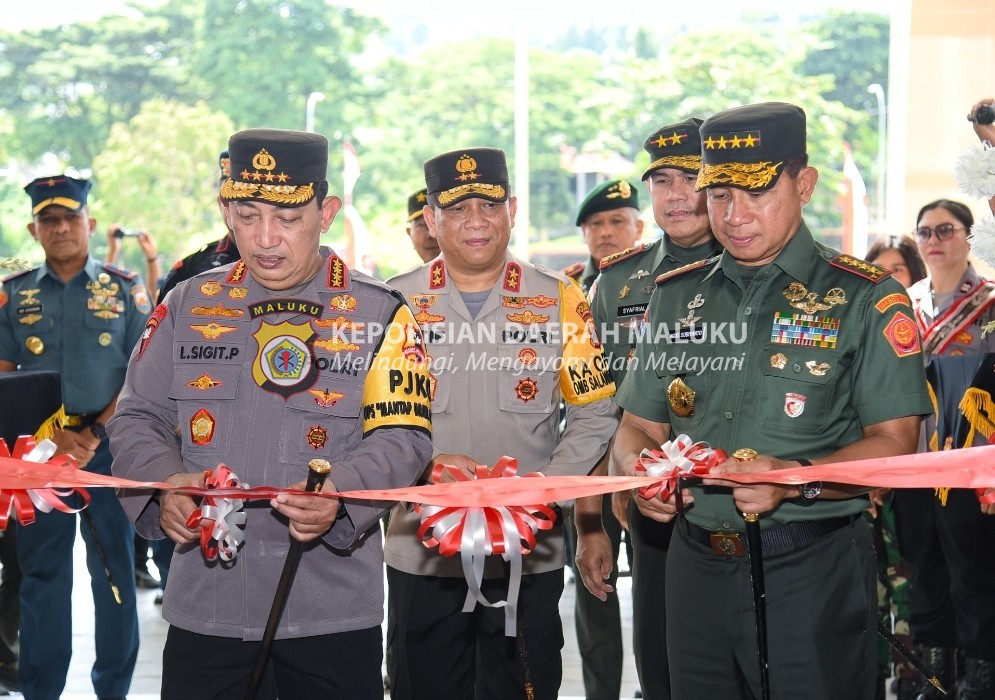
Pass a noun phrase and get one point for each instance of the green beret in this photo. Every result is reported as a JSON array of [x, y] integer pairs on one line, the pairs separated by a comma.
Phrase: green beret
[[675, 146], [610, 194], [416, 204], [61, 190], [469, 172], [276, 166], [746, 147]]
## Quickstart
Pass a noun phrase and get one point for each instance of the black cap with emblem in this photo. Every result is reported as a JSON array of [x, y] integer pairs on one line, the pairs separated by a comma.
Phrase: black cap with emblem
[[610, 194], [747, 147], [275, 166], [469, 172], [416, 204], [674, 146], [59, 190]]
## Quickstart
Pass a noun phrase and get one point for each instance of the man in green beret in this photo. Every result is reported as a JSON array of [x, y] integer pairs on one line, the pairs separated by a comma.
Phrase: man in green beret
[[619, 300], [510, 339], [609, 222], [796, 354], [423, 241]]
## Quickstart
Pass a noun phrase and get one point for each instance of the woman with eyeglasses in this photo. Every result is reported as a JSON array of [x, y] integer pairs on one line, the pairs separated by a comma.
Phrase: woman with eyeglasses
[[945, 534]]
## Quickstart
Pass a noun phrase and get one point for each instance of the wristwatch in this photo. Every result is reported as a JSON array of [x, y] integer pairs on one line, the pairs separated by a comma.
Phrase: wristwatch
[[97, 428], [811, 490]]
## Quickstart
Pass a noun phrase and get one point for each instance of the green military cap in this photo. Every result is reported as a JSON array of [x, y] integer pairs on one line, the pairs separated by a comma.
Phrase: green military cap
[[610, 194], [61, 190], [469, 172], [275, 166], [746, 147], [416, 204], [675, 146]]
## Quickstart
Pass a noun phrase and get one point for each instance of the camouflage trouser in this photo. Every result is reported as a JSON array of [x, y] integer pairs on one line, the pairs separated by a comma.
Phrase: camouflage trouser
[[893, 593]]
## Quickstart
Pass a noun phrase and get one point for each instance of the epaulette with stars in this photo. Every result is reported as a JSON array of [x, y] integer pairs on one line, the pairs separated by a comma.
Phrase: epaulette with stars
[[610, 260], [861, 268], [690, 267], [114, 270], [574, 271]]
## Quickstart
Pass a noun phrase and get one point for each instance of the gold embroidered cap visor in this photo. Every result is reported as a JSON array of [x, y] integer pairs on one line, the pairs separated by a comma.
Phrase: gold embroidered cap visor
[[746, 147], [470, 172], [275, 166], [675, 146], [60, 190]]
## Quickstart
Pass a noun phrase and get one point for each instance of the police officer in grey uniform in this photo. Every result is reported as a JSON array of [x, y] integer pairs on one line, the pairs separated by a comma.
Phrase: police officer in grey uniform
[[81, 318], [264, 364], [804, 355], [619, 300], [507, 340]]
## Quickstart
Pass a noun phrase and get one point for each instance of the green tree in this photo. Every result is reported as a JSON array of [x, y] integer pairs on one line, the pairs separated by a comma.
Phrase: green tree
[[260, 59], [65, 87], [163, 180]]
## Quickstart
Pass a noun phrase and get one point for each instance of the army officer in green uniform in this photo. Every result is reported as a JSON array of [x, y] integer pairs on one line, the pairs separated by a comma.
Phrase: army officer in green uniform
[[618, 302], [805, 355]]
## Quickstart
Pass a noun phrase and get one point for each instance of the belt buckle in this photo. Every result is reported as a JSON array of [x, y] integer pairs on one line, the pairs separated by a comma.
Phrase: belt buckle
[[727, 544], [71, 421]]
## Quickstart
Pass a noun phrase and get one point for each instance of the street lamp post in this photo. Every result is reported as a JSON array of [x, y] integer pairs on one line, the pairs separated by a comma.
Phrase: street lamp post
[[878, 92], [312, 99]]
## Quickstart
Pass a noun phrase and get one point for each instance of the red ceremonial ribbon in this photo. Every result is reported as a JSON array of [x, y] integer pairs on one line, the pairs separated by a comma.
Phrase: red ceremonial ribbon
[[476, 533], [22, 502], [675, 458], [221, 520]]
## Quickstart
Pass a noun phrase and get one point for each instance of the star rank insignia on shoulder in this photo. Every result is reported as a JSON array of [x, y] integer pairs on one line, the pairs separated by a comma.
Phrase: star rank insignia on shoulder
[[861, 268], [610, 260], [690, 267]]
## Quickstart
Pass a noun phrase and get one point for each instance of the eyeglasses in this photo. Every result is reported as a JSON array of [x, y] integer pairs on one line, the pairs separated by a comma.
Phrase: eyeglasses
[[943, 232]]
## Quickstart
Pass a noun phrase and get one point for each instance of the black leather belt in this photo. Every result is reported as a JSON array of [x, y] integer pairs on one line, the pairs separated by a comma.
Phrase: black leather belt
[[773, 539]]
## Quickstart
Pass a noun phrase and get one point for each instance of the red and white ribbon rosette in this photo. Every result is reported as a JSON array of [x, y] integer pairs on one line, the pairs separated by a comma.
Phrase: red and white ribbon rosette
[[22, 502], [674, 459], [221, 520], [476, 532]]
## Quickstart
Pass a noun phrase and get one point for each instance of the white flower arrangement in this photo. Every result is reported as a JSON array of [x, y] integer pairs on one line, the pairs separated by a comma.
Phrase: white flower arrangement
[[975, 171]]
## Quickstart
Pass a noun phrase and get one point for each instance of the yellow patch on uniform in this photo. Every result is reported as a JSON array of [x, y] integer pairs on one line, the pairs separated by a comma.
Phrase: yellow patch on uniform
[[892, 299], [398, 388], [584, 375], [210, 288], [204, 382], [903, 335]]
